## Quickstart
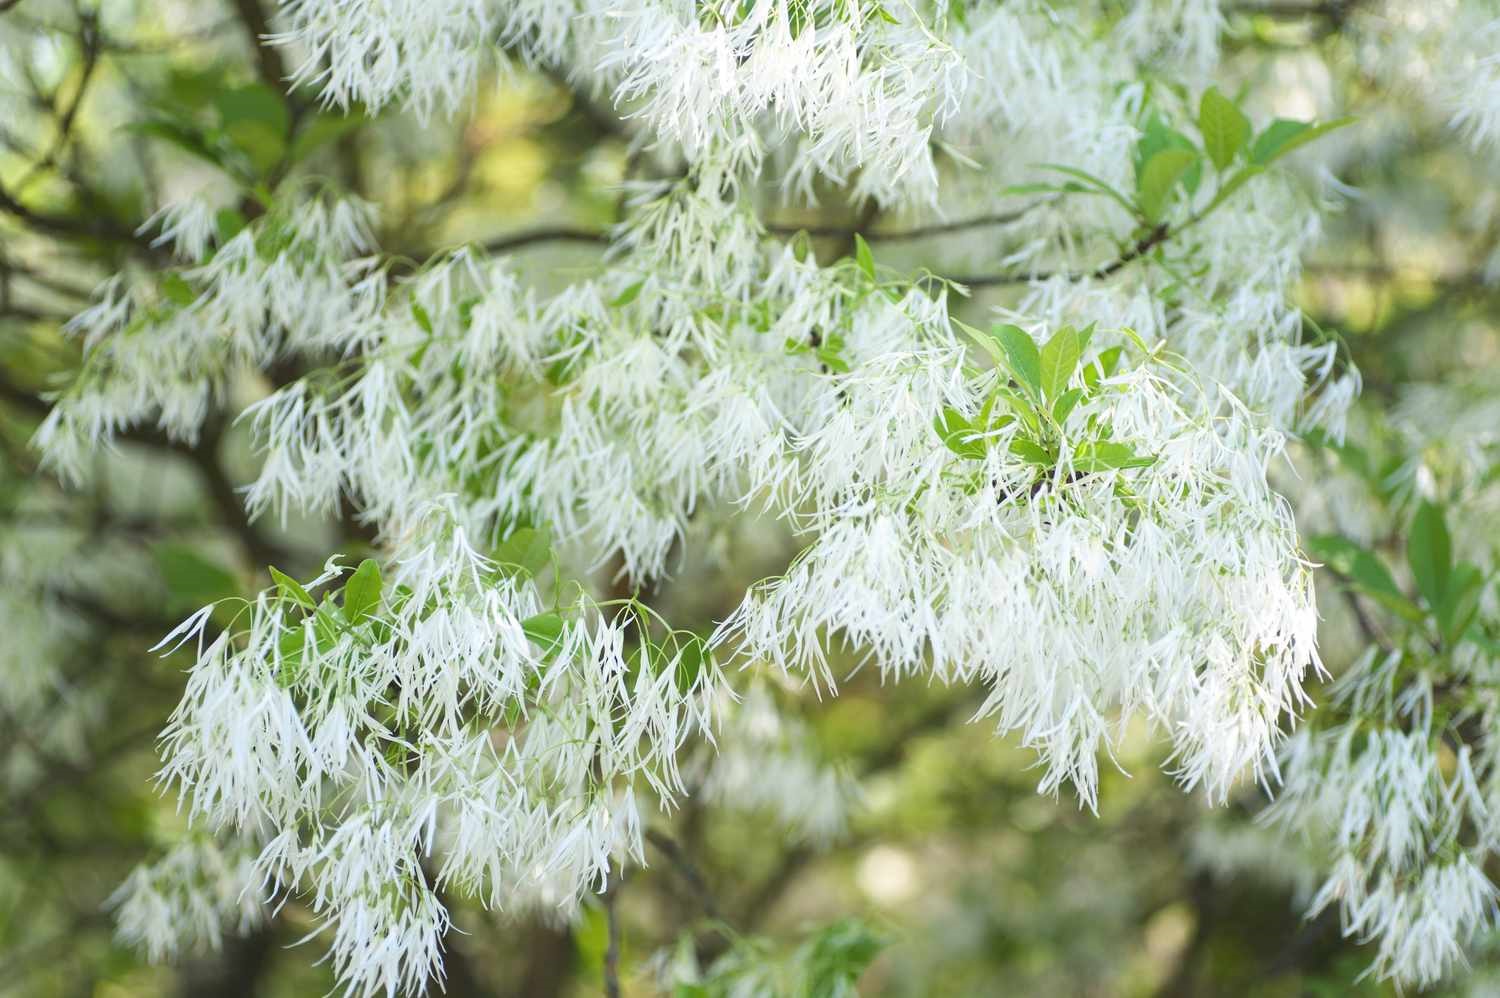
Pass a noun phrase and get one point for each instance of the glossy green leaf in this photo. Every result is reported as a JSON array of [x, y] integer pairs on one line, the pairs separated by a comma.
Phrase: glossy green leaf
[[1021, 356], [1059, 359], [289, 588], [1065, 404], [1461, 601], [1161, 173], [1032, 452], [957, 434], [546, 631], [629, 295], [192, 579], [527, 550], [1429, 553], [863, 257], [1364, 570], [1283, 136], [362, 591], [1108, 455], [1224, 127]]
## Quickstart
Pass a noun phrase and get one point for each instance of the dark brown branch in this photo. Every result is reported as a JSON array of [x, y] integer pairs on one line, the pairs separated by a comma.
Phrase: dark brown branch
[[1142, 246], [678, 857], [97, 227], [202, 455], [550, 234], [612, 948], [1334, 10], [89, 37], [902, 235], [267, 56]]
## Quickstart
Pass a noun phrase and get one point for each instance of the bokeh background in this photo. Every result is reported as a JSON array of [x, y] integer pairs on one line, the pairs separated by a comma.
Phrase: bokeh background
[[980, 885]]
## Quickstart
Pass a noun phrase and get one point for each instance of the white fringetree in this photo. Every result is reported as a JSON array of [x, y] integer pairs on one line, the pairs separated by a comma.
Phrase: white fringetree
[[1076, 499]]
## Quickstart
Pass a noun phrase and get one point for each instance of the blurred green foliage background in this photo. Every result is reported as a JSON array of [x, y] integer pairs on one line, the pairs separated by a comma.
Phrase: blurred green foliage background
[[980, 886]]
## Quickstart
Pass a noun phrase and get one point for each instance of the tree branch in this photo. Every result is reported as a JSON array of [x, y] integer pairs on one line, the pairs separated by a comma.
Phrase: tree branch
[[91, 41], [267, 56], [612, 949], [1142, 246], [678, 857], [919, 232]]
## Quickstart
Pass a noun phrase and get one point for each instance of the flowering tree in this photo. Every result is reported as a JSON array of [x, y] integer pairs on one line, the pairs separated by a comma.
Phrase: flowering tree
[[981, 318]]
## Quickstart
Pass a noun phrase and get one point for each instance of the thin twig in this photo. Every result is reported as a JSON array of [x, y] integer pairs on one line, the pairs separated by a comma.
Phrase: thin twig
[[678, 857], [1142, 246], [918, 232], [612, 949], [267, 56], [550, 234], [90, 39]]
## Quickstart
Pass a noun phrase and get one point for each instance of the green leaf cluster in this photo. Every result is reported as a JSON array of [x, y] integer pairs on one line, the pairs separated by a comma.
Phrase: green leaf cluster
[[1044, 386]]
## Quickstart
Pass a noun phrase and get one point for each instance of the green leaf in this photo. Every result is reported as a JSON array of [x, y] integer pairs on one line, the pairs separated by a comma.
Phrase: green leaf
[[1159, 176], [1059, 360], [629, 295], [1022, 358], [1239, 179], [1032, 452], [254, 102], [957, 434], [528, 549], [289, 588], [323, 129], [362, 591], [1098, 186], [1019, 407], [228, 223], [192, 580], [1065, 404], [863, 257], [1283, 136], [292, 648], [1101, 367], [420, 315], [1364, 570], [1461, 602], [176, 289], [832, 359], [184, 137], [834, 959], [985, 340], [1429, 553], [1225, 129], [546, 631], [259, 142], [691, 658], [1108, 455], [1158, 135], [326, 626]]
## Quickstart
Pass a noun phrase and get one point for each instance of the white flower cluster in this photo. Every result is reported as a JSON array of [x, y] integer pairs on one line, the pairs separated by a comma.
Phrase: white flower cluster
[[1038, 90], [1084, 527], [1405, 833], [445, 731], [1139, 565], [189, 899], [1082, 589], [765, 764], [856, 87], [162, 348]]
